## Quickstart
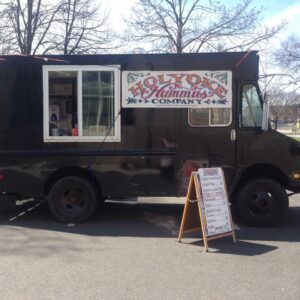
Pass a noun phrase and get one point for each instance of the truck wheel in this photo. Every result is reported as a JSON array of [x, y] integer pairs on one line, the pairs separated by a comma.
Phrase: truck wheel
[[72, 200], [261, 202]]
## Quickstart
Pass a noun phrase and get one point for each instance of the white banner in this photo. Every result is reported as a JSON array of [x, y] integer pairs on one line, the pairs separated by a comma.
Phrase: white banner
[[179, 89]]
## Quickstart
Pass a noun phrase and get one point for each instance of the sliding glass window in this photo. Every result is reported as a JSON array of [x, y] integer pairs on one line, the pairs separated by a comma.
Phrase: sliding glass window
[[81, 103]]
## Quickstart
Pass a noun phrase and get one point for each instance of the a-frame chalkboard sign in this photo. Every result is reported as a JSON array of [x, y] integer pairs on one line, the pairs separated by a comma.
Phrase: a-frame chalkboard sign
[[207, 207]]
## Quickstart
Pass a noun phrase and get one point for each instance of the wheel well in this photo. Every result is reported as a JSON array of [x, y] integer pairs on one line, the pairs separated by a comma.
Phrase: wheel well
[[263, 170], [71, 171]]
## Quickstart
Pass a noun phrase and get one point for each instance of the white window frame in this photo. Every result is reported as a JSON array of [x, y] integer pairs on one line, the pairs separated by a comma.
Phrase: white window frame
[[209, 119], [80, 68]]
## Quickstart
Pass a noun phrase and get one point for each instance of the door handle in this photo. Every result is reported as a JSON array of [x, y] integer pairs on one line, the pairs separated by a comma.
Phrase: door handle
[[233, 135]]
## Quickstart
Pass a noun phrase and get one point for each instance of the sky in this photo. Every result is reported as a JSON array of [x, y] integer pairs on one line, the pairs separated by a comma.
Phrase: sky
[[275, 7], [275, 11], [288, 10]]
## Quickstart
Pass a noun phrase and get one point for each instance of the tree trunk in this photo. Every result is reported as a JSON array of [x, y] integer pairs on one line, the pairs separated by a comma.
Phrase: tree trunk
[[29, 27]]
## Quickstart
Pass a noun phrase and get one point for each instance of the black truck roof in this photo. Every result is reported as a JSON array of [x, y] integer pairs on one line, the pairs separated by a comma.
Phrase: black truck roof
[[243, 64]]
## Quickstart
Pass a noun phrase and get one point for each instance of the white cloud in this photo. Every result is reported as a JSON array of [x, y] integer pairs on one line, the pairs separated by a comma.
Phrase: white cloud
[[118, 11], [290, 15]]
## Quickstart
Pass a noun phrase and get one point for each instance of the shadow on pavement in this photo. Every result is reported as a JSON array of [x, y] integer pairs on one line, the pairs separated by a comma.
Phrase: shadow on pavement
[[226, 246], [115, 219], [151, 220]]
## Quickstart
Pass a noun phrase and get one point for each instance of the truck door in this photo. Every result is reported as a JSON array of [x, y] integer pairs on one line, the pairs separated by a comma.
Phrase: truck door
[[250, 139], [261, 199], [207, 139]]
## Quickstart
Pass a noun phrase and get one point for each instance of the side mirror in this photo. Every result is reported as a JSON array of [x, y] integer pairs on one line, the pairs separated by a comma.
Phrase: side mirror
[[265, 119]]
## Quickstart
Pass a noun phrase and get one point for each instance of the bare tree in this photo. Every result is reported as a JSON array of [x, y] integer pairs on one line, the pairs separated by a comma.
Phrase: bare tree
[[195, 25], [82, 28], [284, 105], [64, 26], [7, 42], [287, 57], [28, 24]]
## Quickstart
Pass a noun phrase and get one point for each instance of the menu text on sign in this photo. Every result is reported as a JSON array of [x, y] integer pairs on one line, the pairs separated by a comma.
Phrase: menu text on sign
[[215, 203]]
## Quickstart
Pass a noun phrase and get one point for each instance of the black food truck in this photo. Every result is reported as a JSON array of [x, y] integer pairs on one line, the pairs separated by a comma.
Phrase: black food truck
[[79, 129]]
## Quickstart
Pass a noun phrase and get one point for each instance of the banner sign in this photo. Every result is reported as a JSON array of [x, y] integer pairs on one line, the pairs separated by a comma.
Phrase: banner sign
[[177, 89], [215, 202]]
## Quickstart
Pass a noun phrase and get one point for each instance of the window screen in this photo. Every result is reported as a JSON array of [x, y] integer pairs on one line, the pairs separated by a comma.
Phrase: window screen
[[98, 103]]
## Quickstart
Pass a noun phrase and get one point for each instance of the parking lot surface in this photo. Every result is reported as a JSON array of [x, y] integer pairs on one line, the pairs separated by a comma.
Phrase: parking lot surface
[[130, 251]]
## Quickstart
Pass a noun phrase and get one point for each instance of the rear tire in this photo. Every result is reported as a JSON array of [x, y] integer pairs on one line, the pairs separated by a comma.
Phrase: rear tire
[[261, 202], [73, 200]]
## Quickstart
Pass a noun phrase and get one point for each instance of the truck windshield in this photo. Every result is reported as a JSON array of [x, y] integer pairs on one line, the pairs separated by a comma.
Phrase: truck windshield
[[251, 107]]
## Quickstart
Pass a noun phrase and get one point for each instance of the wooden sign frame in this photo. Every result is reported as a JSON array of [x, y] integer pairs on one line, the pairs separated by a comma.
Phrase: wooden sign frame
[[193, 218]]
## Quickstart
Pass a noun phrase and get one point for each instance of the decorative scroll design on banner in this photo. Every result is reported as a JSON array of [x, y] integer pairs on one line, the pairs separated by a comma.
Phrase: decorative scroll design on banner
[[180, 89]]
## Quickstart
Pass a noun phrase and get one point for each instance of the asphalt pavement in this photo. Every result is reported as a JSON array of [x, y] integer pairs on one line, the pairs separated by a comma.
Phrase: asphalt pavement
[[130, 251]]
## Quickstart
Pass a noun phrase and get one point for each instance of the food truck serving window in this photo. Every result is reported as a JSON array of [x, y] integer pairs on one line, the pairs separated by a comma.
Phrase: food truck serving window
[[81, 103]]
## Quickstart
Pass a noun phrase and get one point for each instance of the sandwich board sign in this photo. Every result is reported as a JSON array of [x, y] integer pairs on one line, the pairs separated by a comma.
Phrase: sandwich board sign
[[207, 207]]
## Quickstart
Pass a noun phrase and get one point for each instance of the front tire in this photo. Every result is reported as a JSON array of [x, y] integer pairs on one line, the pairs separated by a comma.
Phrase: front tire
[[72, 199], [261, 202]]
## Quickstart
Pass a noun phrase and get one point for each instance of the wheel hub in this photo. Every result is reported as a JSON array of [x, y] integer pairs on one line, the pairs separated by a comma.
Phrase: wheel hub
[[262, 202], [72, 201]]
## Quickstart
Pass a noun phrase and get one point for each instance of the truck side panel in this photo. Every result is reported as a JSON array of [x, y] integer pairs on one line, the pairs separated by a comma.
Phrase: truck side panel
[[142, 163]]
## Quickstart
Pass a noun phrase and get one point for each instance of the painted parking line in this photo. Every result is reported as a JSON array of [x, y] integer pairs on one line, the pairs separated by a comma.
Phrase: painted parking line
[[30, 209], [24, 212]]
